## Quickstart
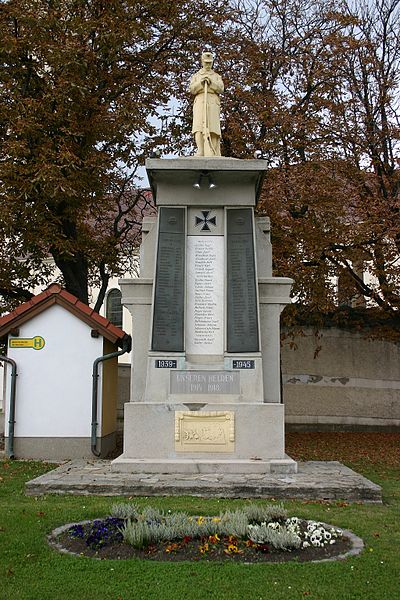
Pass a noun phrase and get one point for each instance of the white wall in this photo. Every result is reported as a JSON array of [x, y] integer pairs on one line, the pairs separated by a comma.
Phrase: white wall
[[54, 385], [2, 383]]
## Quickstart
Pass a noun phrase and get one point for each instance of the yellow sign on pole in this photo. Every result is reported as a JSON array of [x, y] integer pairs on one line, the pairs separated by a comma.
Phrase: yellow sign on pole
[[37, 343]]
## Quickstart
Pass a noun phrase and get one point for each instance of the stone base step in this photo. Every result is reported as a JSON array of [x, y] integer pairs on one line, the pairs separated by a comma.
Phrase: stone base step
[[328, 481], [124, 464]]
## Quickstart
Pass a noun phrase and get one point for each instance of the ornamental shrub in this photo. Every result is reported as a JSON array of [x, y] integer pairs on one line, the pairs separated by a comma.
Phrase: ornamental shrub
[[280, 537]]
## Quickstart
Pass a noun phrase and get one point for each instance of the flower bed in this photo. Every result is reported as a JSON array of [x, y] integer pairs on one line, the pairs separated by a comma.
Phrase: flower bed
[[253, 534]]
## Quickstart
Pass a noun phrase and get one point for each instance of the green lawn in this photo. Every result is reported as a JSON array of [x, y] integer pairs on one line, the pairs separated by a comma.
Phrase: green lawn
[[30, 570]]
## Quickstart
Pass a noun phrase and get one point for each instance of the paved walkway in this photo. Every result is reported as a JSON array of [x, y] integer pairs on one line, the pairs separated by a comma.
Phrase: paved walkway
[[314, 481]]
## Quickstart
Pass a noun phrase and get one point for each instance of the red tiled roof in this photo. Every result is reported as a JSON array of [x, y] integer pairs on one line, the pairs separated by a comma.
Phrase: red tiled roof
[[55, 294]]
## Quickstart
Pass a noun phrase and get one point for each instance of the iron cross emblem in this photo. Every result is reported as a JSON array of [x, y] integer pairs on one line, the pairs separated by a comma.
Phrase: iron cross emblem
[[206, 221]]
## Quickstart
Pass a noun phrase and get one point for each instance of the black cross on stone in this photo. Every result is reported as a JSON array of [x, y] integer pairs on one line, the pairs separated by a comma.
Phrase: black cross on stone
[[205, 221]]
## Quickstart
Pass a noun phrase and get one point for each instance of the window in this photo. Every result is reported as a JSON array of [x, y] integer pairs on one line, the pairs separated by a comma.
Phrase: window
[[114, 307]]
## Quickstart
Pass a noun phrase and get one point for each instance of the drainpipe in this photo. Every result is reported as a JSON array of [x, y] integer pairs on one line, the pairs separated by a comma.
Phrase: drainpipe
[[126, 347], [11, 419]]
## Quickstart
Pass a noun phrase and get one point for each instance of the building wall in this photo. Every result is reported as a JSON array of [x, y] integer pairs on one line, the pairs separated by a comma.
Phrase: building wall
[[93, 295], [2, 384], [108, 397], [352, 382], [126, 316], [54, 385]]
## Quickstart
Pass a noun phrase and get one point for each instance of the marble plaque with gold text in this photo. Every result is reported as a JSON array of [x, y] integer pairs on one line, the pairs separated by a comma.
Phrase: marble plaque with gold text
[[212, 431]]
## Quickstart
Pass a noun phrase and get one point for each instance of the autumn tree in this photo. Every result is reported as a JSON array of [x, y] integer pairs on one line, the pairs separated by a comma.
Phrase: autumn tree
[[315, 87], [81, 85]]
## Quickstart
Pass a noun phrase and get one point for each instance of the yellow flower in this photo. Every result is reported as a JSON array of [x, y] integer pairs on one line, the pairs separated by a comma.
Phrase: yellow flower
[[203, 548], [213, 539], [200, 520], [232, 539]]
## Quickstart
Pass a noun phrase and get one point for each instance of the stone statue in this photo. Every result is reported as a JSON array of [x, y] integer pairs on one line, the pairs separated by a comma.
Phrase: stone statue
[[206, 85]]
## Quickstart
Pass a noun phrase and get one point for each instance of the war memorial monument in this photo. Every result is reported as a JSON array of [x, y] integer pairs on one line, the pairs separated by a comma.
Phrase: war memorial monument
[[205, 388]]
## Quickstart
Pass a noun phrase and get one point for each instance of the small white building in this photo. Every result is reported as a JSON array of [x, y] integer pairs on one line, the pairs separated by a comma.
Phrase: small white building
[[55, 340]]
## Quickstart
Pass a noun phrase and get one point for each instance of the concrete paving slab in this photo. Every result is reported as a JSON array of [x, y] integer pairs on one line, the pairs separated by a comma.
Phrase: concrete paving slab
[[314, 480]]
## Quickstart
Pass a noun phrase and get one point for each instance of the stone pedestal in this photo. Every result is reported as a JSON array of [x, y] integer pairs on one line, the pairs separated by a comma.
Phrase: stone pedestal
[[205, 391]]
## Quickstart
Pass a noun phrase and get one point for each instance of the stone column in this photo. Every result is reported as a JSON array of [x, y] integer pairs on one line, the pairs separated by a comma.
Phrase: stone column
[[274, 294], [137, 297], [263, 247]]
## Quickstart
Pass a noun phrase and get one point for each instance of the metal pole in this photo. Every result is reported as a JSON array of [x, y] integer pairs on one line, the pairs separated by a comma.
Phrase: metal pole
[[11, 418]]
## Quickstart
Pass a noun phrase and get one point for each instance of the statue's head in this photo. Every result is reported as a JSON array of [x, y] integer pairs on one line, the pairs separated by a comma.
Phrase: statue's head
[[207, 59]]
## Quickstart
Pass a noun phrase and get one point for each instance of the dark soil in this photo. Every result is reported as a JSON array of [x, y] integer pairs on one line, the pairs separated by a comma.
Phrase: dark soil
[[191, 550]]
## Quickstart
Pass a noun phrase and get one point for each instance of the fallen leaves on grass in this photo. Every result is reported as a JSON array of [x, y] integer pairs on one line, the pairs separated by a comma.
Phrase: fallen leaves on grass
[[378, 448]]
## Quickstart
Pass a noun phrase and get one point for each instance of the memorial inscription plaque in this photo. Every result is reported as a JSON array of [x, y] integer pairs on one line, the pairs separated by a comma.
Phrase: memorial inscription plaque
[[205, 295], [242, 325], [205, 382], [169, 297], [212, 431]]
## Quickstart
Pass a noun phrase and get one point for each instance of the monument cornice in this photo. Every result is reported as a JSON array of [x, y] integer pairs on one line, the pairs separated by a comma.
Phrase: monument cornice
[[184, 172]]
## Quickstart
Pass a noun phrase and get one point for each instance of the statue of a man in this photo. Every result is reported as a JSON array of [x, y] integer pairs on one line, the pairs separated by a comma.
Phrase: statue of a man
[[206, 85]]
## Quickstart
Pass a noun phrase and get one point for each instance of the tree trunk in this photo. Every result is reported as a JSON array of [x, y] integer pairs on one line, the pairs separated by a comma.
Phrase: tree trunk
[[74, 270]]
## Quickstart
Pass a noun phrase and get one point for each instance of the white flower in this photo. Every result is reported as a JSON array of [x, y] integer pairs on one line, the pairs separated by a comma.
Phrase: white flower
[[316, 538], [317, 533], [293, 527]]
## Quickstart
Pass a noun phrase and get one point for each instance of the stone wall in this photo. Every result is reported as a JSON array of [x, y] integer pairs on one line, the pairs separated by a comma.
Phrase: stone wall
[[353, 383]]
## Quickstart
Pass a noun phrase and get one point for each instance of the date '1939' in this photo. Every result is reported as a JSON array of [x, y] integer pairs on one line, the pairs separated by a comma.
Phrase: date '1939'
[[166, 364]]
